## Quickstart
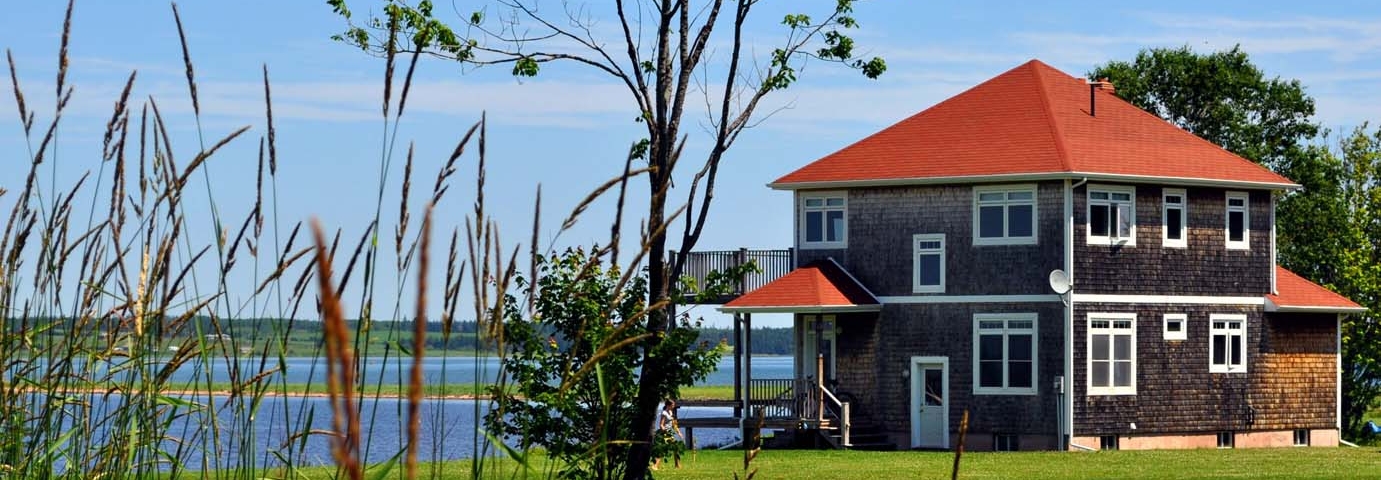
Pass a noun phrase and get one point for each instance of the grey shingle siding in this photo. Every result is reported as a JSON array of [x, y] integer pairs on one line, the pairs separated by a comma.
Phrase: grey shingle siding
[[882, 221], [1174, 390], [946, 330], [1206, 267]]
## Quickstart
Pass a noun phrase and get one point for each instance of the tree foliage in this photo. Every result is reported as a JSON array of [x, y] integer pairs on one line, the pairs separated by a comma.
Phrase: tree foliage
[[1331, 233], [574, 365], [664, 53], [1221, 97]]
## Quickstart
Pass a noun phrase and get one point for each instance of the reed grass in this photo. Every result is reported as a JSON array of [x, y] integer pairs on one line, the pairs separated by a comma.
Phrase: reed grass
[[89, 384]]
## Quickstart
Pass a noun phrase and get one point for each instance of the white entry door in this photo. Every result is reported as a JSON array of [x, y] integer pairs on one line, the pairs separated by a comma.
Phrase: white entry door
[[929, 402]]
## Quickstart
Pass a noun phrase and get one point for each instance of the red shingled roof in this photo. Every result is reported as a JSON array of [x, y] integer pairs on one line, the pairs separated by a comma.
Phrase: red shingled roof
[[1299, 295], [820, 286], [1031, 122]]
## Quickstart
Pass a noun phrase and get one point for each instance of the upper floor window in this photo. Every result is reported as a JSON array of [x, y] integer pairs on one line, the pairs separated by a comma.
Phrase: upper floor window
[[824, 220], [1176, 326], [1173, 227], [1004, 360], [930, 263], [1111, 215], [1004, 215], [1238, 218], [1112, 354], [1227, 346]]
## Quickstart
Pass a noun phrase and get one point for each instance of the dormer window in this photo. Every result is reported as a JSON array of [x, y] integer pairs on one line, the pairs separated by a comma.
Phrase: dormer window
[[824, 220], [1238, 218], [1004, 215], [1111, 215]]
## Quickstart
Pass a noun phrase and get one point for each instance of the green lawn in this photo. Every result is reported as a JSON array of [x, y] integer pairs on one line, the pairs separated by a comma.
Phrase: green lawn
[[812, 464]]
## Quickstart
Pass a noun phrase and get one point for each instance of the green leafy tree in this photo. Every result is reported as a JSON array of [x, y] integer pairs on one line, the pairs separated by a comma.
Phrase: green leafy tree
[[1221, 97], [659, 51], [574, 376], [1334, 238]]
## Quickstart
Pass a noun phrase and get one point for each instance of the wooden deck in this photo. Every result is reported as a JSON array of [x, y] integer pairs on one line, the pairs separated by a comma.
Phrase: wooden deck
[[772, 264]]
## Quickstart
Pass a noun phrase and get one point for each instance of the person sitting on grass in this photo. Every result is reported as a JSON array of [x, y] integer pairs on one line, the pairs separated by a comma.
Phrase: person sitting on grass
[[666, 443]]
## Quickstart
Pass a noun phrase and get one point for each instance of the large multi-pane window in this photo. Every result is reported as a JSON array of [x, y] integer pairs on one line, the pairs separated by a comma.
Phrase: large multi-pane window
[[1112, 354], [824, 220], [1173, 227], [1238, 220], [1227, 345], [1004, 215], [1004, 353], [1111, 215]]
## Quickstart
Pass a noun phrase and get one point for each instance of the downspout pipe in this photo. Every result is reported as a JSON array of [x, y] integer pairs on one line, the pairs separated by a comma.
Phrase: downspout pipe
[[1067, 420]]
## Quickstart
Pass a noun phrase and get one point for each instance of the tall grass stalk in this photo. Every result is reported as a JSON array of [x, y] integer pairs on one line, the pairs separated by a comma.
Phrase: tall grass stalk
[[103, 320]]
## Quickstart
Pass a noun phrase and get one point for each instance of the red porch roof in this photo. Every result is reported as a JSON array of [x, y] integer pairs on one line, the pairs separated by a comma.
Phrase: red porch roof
[[1296, 294], [1031, 122], [820, 286]]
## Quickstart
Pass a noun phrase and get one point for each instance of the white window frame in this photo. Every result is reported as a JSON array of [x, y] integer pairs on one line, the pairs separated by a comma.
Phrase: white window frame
[[1006, 332], [1006, 204], [1245, 243], [1112, 388], [1166, 207], [917, 251], [1183, 320], [1214, 330], [1127, 241], [843, 241]]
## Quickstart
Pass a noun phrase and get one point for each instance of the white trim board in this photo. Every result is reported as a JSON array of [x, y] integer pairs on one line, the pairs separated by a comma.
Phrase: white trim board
[[1181, 299], [910, 299]]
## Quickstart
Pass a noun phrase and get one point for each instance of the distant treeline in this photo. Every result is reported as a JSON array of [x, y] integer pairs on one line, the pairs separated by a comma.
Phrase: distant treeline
[[303, 335]]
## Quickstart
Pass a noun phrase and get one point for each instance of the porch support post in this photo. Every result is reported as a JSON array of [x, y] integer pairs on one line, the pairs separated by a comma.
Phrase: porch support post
[[743, 423], [738, 361], [820, 387]]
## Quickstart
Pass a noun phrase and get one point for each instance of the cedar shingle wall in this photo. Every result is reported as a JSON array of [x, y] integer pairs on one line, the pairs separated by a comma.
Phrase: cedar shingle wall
[[1174, 390], [1289, 381], [946, 330], [1206, 267], [881, 222], [1294, 384], [856, 367]]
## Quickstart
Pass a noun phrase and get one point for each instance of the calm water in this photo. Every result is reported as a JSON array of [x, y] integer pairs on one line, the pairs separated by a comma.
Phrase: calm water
[[449, 426], [462, 370]]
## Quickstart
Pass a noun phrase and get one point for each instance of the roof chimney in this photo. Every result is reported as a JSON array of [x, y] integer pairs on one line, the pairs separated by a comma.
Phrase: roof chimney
[[1101, 84]]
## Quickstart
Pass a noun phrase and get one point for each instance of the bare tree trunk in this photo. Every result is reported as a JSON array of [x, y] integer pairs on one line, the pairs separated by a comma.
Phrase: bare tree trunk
[[653, 371]]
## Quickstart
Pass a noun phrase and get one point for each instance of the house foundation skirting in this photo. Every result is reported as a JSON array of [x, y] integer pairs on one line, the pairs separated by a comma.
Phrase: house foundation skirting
[[1326, 437]]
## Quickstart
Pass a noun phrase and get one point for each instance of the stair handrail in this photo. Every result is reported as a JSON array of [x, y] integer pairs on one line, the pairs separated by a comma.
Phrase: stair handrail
[[827, 395], [844, 421]]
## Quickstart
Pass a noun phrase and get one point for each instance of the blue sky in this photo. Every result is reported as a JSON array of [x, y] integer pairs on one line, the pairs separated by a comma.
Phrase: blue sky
[[569, 128]]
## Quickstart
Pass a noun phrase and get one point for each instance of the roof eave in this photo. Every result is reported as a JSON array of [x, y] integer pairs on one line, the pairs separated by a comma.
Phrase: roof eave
[[1272, 306], [803, 309], [1026, 177]]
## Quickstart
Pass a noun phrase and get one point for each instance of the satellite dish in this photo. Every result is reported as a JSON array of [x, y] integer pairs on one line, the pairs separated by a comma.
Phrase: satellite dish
[[1059, 281]]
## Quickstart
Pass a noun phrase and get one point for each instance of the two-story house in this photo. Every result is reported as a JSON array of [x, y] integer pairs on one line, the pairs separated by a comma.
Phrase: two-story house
[[926, 285]]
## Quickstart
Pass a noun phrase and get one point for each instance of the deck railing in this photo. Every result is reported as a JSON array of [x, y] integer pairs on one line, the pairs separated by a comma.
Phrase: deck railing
[[773, 264], [776, 397], [796, 398], [802, 400]]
